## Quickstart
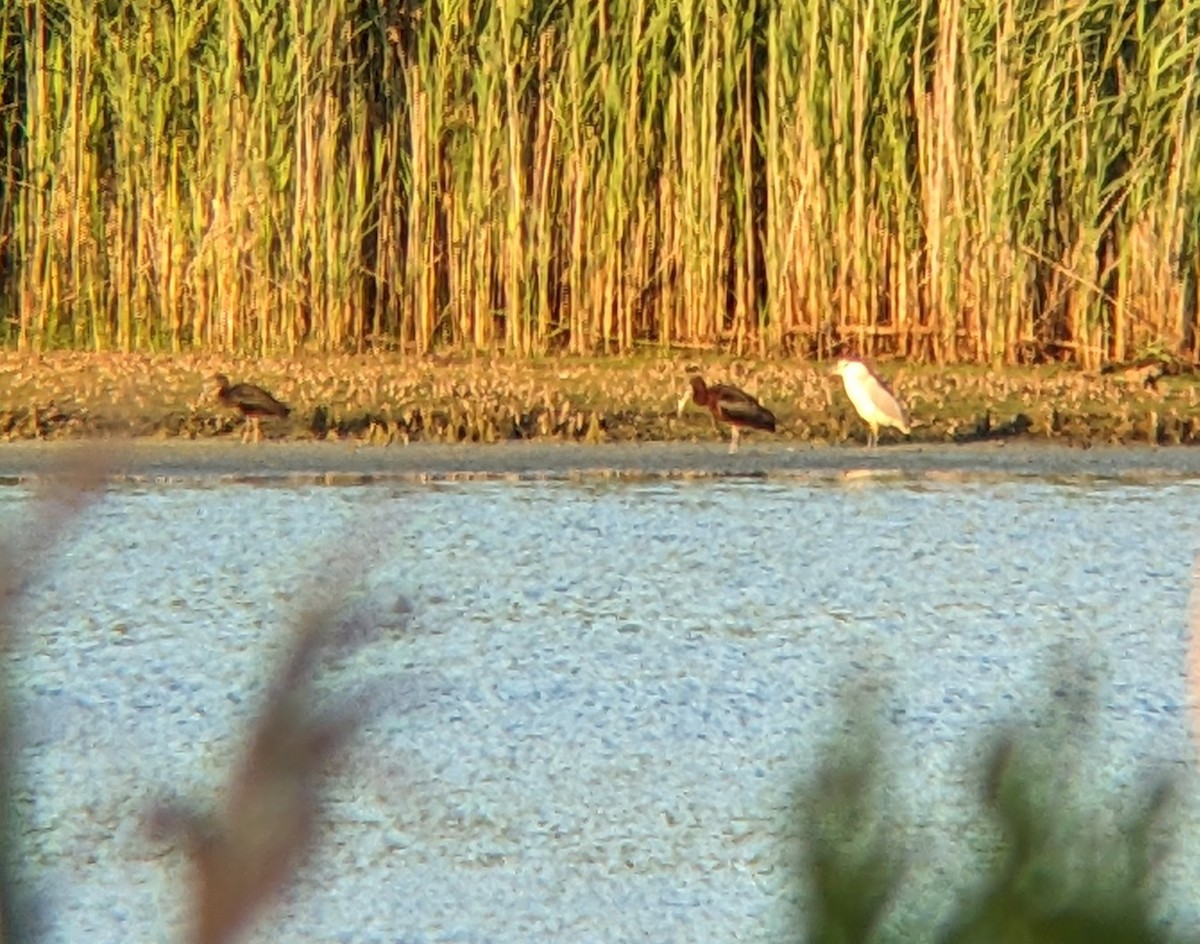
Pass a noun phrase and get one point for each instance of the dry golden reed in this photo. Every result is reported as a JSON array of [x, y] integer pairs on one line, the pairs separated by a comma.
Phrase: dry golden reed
[[938, 181]]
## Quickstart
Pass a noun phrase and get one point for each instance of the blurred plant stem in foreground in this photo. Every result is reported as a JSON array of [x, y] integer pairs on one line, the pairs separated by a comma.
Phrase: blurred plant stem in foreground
[[1062, 870], [246, 853], [58, 502]]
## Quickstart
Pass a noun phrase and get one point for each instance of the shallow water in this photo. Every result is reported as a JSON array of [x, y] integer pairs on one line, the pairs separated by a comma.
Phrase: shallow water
[[605, 691]]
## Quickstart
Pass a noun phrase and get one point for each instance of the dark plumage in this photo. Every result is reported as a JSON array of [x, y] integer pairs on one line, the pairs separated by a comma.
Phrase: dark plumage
[[730, 405], [252, 401]]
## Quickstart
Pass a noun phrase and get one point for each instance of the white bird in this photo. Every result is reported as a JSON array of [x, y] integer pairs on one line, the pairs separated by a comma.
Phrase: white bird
[[872, 399]]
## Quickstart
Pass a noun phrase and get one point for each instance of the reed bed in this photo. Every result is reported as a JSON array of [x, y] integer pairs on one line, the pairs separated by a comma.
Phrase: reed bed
[[945, 182], [382, 400]]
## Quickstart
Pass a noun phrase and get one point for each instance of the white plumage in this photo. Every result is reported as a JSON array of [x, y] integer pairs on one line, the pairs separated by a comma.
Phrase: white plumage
[[872, 399]]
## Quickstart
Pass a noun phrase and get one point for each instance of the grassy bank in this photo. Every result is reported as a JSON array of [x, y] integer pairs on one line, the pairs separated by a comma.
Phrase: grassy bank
[[384, 400], [946, 182]]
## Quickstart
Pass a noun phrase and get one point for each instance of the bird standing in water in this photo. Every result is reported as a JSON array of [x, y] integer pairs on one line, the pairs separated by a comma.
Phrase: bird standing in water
[[251, 401], [730, 405], [873, 401]]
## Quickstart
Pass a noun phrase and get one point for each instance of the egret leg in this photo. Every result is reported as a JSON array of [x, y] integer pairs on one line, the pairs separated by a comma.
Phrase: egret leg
[[733, 440], [873, 437]]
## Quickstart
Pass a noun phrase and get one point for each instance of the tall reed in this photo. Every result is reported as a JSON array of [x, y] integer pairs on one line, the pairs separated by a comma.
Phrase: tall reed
[[949, 181]]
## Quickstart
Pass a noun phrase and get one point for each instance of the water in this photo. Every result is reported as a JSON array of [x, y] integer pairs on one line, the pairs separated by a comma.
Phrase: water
[[604, 692]]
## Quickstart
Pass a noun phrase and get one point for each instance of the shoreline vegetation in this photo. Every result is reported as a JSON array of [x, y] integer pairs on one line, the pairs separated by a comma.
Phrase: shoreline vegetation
[[391, 400], [933, 182]]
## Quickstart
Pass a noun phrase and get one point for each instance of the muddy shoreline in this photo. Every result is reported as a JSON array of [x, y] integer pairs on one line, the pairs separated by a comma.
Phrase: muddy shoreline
[[341, 463], [381, 401]]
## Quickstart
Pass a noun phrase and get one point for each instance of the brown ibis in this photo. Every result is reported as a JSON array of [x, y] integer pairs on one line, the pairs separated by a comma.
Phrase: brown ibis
[[729, 405], [252, 401]]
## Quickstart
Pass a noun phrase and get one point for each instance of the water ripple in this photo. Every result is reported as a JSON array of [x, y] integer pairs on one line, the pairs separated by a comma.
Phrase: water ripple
[[611, 685]]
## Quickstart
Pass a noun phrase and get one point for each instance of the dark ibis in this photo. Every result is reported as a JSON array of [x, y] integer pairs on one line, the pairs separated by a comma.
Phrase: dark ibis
[[729, 405], [252, 401]]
